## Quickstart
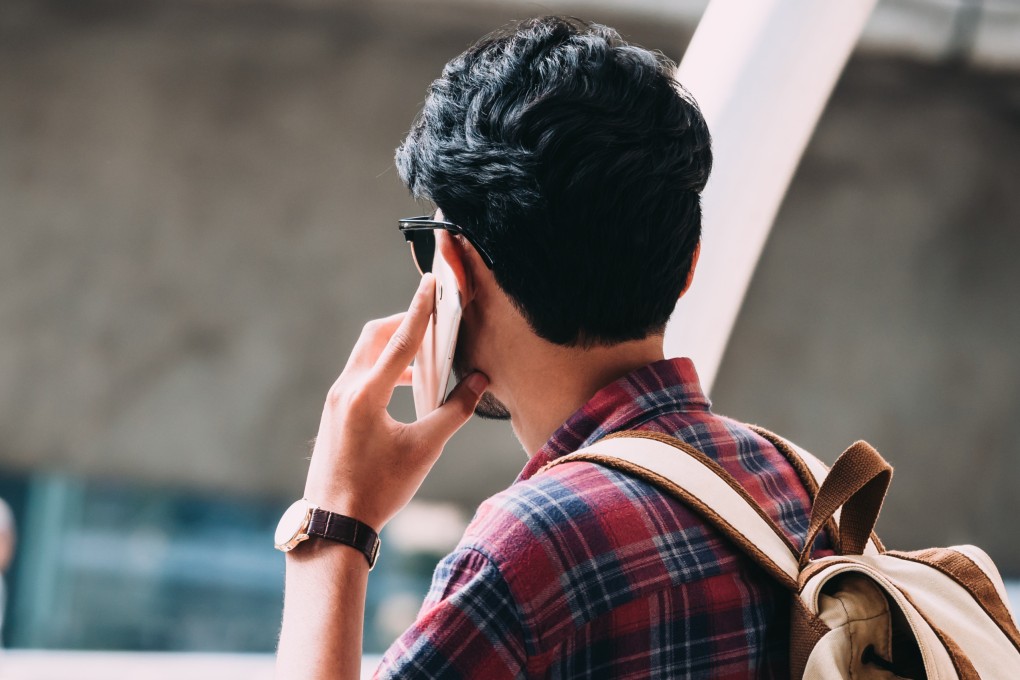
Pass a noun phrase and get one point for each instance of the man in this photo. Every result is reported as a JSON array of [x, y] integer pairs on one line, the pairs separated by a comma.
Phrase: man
[[571, 165]]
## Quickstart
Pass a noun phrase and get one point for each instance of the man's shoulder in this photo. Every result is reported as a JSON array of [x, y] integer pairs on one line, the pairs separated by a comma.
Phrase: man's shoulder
[[580, 540], [579, 525], [572, 513], [554, 504]]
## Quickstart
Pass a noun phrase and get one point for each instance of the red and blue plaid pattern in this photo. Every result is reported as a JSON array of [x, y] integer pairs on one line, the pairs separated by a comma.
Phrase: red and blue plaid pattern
[[585, 572]]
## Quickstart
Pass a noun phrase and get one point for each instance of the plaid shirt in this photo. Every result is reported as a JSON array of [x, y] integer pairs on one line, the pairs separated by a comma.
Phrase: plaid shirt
[[585, 572]]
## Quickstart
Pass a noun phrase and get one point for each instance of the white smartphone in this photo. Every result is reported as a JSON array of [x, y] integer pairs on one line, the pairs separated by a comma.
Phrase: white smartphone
[[434, 361]]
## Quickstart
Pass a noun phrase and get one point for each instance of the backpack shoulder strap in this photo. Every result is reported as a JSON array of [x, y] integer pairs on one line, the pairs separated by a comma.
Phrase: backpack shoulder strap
[[705, 487]]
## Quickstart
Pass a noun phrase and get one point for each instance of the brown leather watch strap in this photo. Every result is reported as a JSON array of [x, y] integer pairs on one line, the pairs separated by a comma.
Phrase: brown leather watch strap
[[346, 530]]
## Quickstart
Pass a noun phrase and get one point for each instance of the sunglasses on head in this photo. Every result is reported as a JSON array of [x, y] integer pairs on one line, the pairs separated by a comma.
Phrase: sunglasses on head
[[420, 232]]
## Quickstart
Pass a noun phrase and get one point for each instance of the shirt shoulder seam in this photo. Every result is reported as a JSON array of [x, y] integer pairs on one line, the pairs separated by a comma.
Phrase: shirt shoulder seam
[[494, 563]]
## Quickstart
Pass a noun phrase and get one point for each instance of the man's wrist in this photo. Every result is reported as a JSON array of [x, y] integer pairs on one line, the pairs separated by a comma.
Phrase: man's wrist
[[320, 551], [305, 520], [342, 502]]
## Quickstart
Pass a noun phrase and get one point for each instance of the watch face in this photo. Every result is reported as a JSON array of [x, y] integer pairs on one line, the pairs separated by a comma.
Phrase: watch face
[[291, 529]]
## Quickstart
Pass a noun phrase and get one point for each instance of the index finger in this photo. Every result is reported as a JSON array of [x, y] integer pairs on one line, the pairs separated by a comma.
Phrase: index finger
[[406, 340], [373, 338]]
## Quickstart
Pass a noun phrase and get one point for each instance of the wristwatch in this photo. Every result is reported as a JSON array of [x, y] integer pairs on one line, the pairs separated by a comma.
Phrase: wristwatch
[[302, 520]]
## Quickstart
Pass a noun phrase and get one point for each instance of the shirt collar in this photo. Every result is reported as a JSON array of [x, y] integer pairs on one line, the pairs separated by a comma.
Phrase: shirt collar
[[666, 386]]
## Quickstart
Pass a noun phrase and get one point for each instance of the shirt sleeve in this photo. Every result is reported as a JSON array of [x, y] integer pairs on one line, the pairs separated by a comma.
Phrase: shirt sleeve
[[468, 626]]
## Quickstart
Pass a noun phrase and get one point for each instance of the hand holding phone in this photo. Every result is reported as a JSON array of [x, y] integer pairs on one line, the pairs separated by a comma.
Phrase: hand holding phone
[[434, 361]]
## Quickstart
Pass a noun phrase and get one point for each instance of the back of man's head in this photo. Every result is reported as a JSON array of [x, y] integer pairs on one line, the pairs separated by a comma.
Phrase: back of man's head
[[577, 161]]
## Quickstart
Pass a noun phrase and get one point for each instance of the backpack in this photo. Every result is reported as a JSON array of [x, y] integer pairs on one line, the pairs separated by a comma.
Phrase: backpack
[[864, 612]]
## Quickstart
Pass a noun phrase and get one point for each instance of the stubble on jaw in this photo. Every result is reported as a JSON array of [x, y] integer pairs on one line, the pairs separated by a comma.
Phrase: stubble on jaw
[[489, 407]]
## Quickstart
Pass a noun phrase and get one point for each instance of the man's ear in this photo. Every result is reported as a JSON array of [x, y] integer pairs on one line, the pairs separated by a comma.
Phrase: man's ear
[[694, 265], [452, 250]]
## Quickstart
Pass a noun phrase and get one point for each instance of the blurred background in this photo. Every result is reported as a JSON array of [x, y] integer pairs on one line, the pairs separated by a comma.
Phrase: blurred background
[[198, 213]]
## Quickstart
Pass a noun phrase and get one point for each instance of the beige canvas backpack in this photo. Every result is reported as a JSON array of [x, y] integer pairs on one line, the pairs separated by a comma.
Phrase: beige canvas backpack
[[865, 612]]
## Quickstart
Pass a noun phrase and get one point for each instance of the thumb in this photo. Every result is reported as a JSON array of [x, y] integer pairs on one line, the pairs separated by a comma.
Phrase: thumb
[[440, 425]]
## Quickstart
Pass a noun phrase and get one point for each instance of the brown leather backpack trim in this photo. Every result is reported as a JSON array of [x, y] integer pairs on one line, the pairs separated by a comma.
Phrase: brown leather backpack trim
[[857, 483], [806, 630], [970, 576]]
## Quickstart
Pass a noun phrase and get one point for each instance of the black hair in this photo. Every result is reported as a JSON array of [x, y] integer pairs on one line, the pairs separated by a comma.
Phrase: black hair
[[577, 160]]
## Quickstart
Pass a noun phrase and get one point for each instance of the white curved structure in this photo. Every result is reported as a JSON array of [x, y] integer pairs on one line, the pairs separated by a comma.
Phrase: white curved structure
[[762, 72]]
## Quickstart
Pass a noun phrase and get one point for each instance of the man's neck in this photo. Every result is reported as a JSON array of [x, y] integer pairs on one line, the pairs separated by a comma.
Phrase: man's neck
[[557, 381]]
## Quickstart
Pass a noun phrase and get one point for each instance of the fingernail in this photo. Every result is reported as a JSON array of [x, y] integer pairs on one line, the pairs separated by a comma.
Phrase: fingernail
[[477, 382], [426, 279]]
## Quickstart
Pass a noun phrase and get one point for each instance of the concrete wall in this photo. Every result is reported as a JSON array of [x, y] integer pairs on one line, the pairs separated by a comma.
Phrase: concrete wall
[[885, 306], [198, 205]]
